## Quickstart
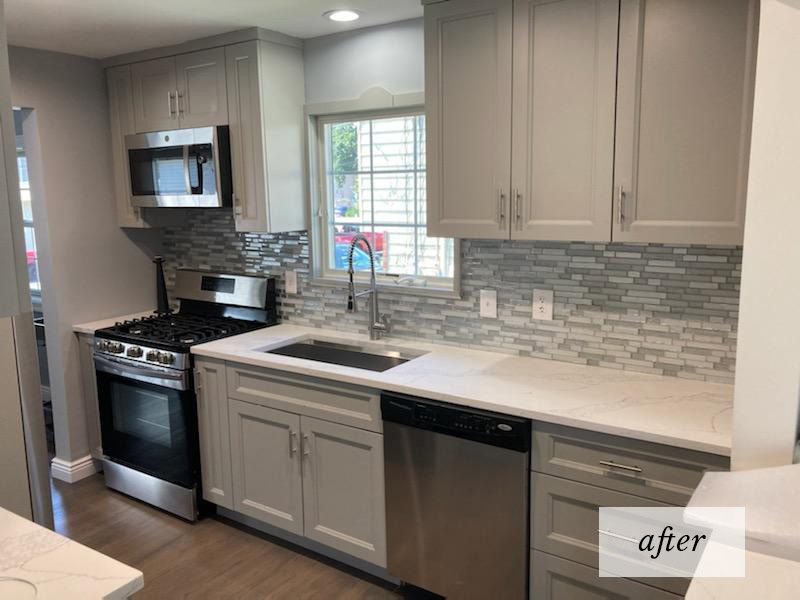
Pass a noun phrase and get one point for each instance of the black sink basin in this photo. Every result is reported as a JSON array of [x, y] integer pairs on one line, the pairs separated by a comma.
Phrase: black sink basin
[[372, 357]]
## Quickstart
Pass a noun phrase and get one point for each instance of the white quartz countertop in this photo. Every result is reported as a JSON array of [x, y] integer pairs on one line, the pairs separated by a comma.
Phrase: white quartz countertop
[[39, 564], [772, 534], [93, 326], [679, 412]]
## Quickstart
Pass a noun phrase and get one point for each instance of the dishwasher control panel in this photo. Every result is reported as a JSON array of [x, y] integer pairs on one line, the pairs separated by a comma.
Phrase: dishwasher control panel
[[475, 424]]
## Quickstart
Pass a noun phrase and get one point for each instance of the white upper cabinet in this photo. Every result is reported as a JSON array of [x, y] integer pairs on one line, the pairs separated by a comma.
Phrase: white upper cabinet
[[468, 117], [201, 88], [683, 120], [266, 94], [179, 92], [120, 101], [155, 99], [565, 68]]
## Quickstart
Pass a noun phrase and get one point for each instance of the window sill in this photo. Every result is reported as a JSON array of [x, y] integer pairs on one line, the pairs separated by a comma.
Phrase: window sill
[[404, 290]]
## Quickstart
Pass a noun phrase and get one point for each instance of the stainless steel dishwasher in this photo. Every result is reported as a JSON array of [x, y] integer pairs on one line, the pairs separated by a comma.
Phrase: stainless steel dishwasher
[[457, 487]]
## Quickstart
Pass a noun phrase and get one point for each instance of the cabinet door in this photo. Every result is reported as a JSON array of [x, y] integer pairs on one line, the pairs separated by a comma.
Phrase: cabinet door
[[120, 100], [683, 120], [214, 432], [267, 484], [468, 113], [565, 68], [154, 95], [343, 491], [202, 97], [554, 578], [247, 147]]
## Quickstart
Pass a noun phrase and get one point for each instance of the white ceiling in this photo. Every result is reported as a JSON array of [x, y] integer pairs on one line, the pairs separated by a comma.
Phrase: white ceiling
[[102, 28]]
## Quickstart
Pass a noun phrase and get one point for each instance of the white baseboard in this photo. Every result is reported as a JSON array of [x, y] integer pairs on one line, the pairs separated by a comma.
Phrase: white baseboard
[[73, 471]]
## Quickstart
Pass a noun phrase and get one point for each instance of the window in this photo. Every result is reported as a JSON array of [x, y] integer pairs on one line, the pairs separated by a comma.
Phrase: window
[[31, 255], [373, 182]]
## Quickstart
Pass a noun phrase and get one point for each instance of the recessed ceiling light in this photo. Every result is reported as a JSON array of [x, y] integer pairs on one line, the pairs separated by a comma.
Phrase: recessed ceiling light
[[342, 15]]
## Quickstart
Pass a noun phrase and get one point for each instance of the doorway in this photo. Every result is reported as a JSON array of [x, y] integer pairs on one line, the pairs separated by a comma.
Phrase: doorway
[[21, 115]]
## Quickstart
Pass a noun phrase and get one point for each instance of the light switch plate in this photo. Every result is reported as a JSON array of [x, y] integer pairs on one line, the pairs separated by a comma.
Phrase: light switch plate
[[291, 282], [489, 304], [543, 305]]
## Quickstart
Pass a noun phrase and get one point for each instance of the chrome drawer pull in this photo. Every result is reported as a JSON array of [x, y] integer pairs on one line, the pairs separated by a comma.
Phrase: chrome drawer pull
[[617, 536], [612, 465]]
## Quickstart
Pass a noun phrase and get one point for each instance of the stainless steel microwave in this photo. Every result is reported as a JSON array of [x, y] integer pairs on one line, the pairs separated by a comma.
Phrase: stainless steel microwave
[[184, 168]]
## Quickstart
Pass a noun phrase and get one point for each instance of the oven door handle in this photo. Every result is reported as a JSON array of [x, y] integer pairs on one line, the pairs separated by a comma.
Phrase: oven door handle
[[175, 380]]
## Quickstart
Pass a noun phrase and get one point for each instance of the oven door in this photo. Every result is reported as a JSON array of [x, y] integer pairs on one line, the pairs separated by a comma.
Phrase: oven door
[[148, 419], [179, 168]]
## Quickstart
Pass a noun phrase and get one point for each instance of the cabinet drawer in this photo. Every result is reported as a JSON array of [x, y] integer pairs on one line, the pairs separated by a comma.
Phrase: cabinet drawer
[[564, 517], [554, 578], [655, 471], [341, 403]]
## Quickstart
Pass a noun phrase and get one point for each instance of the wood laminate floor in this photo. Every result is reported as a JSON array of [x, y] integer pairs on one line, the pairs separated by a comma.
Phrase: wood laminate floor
[[207, 559]]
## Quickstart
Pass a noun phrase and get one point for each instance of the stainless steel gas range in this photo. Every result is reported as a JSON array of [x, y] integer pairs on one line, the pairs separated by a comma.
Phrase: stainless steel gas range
[[148, 412]]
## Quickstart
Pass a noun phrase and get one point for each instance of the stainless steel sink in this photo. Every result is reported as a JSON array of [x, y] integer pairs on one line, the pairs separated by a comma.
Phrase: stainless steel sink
[[372, 357]]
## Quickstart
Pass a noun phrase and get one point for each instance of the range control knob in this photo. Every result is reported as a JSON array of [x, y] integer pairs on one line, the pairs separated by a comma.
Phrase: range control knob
[[166, 358], [102, 345], [116, 348], [152, 356], [135, 352]]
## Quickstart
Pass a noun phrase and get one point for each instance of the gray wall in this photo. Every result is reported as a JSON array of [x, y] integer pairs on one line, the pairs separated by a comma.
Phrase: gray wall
[[668, 310], [343, 65], [90, 268]]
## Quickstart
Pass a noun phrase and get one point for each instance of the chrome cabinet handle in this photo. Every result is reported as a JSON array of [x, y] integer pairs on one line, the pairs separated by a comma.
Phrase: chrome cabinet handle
[[170, 106], [180, 102], [613, 465], [501, 209], [306, 448], [518, 208], [618, 536], [292, 442], [621, 205]]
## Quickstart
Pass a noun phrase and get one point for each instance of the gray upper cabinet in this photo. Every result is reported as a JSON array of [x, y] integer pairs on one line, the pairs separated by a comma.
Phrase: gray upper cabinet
[[201, 88], [120, 101], [683, 120], [265, 456], [154, 95], [180, 92], [468, 117], [266, 94], [343, 491], [214, 431], [630, 119], [565, 69]]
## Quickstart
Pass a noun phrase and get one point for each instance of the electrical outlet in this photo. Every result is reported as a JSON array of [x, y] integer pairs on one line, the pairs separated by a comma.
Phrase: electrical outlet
[[291, 282], [543, 305], [489, 304]]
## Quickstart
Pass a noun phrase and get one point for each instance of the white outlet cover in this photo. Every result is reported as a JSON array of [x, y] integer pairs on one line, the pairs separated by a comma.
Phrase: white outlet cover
[[291, 282], [489, 304], [543, 305]]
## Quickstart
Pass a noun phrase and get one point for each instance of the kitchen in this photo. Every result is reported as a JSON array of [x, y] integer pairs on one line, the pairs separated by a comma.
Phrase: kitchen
[[434, 285]]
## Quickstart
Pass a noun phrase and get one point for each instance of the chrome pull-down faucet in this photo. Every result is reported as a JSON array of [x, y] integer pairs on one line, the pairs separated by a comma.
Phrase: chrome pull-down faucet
[[378, 323]]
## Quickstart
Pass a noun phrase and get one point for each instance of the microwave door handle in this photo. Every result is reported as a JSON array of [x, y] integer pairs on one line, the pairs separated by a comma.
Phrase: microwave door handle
[[200, 161], [186, 175]]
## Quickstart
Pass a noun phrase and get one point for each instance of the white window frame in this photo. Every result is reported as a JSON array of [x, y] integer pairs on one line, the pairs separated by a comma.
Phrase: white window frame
[[335, 112]]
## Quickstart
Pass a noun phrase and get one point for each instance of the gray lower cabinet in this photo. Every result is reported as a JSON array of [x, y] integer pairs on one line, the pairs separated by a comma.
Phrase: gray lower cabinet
[[554, 578], [265, 456], [343, 491], [564, 517], [214, 432], [288, 468], [575, 472]]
